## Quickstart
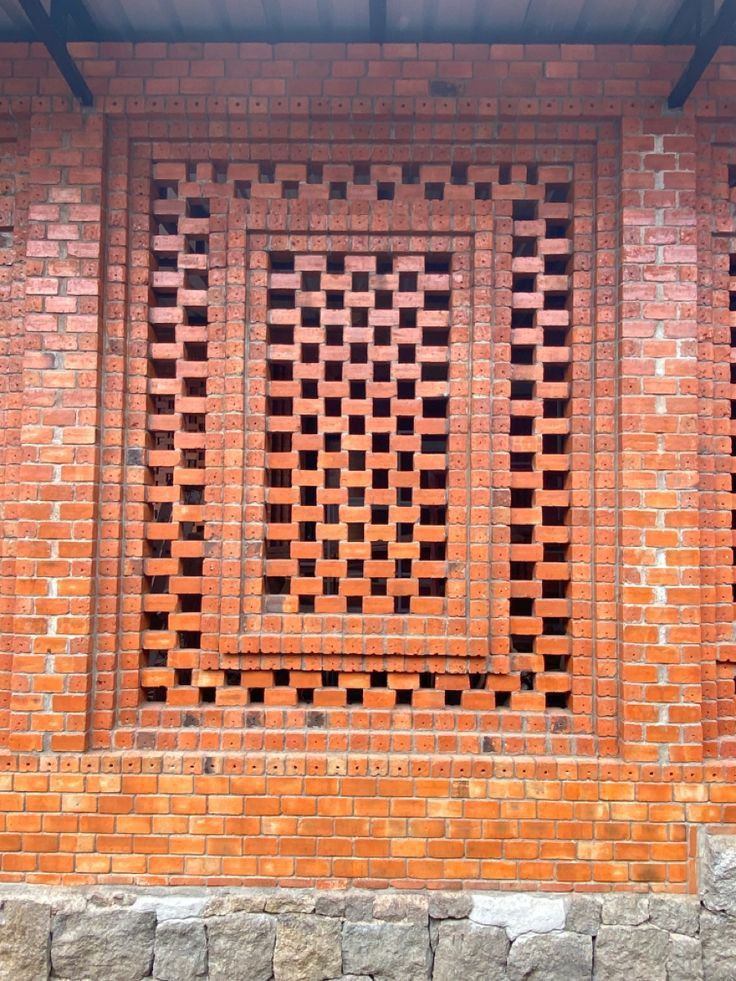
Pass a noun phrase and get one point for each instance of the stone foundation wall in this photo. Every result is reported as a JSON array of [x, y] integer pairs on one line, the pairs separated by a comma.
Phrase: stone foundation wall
[[108, 934]]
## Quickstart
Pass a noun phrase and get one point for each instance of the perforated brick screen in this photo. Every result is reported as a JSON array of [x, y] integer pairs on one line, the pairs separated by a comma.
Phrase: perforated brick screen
[[357, 433], [364, 469]]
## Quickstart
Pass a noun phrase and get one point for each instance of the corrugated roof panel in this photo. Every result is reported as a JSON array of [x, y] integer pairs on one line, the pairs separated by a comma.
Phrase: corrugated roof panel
[[248, 20], [518, 21], [112, 19], [553, 18], [448, 17], [405, 19], [607, 21], [350, 17], [648, 25], [502, 20]]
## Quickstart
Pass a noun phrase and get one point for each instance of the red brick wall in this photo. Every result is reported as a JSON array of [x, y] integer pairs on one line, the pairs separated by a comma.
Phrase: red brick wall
[[546, 694]]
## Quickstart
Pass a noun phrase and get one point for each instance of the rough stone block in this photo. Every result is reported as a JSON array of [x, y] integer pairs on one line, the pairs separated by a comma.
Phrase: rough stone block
[[171, 907], [180, 951], [290, 901], [386, 951], [684, 960], [519, 913], [359, 905], [308, 948], [24, 940], [241, 946], [242, 901], [450, 905], [470, 951], [112, 944], [551, 957], [583, 914], [717, 868], [622, 910], [677, 914], [626, 953], [330, 903], [400, 907], [718, 938]]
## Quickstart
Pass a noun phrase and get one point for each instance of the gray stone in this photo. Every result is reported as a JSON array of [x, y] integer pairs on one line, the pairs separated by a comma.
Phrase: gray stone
[[171, 907], [677, 914], [550, 957], [470, 951], [401, 907], [623, 910], [717, 868], [330, 903], [450, 905], [245, 901], [626, 953], [718, 938], [684, 960], [114, 945], [308, 948], [290, 901], [24, 940], [359, 905], [386, 951], [519, 912], [180, 951], [583, 914], [241, 946], [104, 898]]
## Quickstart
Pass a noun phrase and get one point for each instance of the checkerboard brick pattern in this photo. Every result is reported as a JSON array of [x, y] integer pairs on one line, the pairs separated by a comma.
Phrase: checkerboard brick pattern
[[367, 465], [385, 477]]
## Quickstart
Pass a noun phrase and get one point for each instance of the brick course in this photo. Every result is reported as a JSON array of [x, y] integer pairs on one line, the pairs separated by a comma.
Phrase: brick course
[[553, 701]]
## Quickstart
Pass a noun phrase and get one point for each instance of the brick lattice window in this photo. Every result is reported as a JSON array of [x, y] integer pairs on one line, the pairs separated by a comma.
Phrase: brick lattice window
[[358, 424], [177, 444], [357, 432], [540, 428]]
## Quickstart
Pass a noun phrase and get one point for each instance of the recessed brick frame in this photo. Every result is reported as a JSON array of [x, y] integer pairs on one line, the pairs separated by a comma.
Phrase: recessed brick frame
[[245, 589]]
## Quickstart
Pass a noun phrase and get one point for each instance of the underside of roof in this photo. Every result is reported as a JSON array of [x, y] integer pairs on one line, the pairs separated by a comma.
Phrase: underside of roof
[[458, 21]]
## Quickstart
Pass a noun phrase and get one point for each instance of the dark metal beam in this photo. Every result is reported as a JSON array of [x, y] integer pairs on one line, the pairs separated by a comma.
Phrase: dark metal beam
[[684, 26], [703, 54], [377, 14], [82, 19], [56, 47]]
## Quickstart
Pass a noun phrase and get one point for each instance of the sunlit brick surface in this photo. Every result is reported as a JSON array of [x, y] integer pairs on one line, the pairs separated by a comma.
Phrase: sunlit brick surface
[[563, 713]]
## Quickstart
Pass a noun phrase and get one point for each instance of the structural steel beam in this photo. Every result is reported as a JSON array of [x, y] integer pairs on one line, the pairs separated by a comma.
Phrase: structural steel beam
[[703, 54], [377, 11], [63, 11], [56, 47]]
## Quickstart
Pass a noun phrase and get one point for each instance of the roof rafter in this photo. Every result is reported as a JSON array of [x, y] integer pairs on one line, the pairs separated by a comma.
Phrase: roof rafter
[[377, 13], [64, 11], [56, 47], [703, 54]]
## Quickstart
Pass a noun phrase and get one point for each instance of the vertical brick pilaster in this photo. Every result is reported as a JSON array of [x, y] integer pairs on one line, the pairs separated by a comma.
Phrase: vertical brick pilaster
[[13, 207], [59, 417], [660, 611]]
